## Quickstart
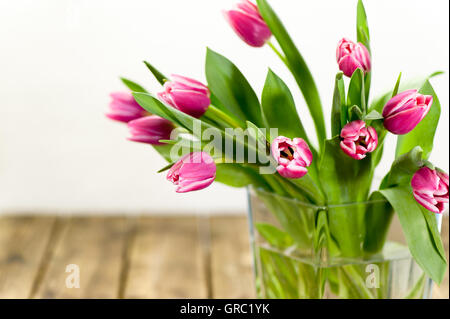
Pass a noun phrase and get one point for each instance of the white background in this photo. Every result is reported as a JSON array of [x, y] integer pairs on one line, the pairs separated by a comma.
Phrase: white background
[[60, 59]]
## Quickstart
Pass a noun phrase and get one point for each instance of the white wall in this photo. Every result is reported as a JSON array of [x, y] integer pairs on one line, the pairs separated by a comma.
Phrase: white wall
[[59, 60]]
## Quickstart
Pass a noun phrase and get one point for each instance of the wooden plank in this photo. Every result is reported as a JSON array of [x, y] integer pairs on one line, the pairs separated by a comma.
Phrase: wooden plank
[[23, 241], [96, 247], [231, 258], [166, 260]]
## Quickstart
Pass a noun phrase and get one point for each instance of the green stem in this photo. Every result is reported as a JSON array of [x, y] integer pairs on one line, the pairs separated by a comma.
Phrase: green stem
[[223, 116], [277, 52], [311, 95]]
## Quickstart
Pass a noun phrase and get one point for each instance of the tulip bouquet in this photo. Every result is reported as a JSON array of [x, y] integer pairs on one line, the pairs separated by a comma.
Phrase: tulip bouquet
[[222, 132]]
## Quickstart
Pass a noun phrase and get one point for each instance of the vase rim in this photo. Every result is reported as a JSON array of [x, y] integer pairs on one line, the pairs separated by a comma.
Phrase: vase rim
[[253, 190]]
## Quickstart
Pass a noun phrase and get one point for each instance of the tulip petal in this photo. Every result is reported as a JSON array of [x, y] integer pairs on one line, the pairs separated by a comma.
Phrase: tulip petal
[[398, 99], [250, 29], [425, 203], [192, 172], [348, 64], [190, 186], [184, 83], [352, 130], [405, 121], [425, 180], [292, 171], [124, 108], [302, 151], [150, 130], [190, 102]]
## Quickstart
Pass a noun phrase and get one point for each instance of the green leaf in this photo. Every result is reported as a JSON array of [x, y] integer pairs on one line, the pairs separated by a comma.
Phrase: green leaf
[[279, 108], [154, 106], [215, 137], [397, 85], [403, 168], [310, 189], [161, 78], [434, 231], [274, 236], [373, 115], [297, 66], [355, 113], [165, 168], [258, 135], [133, 86], [231, 88], [345, 180], [363, 36], [356, 93], [362, 28], [236, 175], [339, 110], [423, 134], [421, 242], [377, 218], [280, 112]]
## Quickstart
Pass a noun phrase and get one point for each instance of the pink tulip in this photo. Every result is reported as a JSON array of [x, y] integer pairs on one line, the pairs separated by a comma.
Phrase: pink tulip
[[292, 156], [248, 23], [124, 108], [192, 172], [150, 130], [430, 189], [351, 56], [187, 95], [358, 140], [404, 111]]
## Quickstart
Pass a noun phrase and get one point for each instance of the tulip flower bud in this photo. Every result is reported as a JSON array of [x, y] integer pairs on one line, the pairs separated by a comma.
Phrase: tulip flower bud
[[430, 189], [404, 111], [150, 130], [248, 24], [351, 56], [358, 140], [192, 172], [187, 95], [124, 108], [293, 156]]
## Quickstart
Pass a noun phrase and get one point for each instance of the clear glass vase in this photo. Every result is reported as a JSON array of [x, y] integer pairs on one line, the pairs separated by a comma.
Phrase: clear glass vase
[[303, 251]]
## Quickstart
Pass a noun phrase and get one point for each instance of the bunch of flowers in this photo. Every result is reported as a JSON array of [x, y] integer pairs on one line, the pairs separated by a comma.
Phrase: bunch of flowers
[[222, 132]]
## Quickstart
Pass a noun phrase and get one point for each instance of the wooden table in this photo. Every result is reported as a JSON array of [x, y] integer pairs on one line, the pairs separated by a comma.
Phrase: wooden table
[[130, 257]]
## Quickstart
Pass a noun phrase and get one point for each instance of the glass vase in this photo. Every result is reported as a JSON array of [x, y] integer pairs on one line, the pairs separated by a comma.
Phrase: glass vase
[[303, 251]]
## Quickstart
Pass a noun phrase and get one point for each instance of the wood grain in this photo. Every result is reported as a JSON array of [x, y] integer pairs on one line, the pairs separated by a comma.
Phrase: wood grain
[[231, 258], [23, 241], [96, 246], [166, 260], [148, 257]]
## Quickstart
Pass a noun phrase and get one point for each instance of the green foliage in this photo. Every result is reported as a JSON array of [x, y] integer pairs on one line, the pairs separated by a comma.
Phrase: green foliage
[[232, 89], [419, 227], [161, 78], [279, 108], [297, 66], [339, 112], [133, 86], [356, 92]]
